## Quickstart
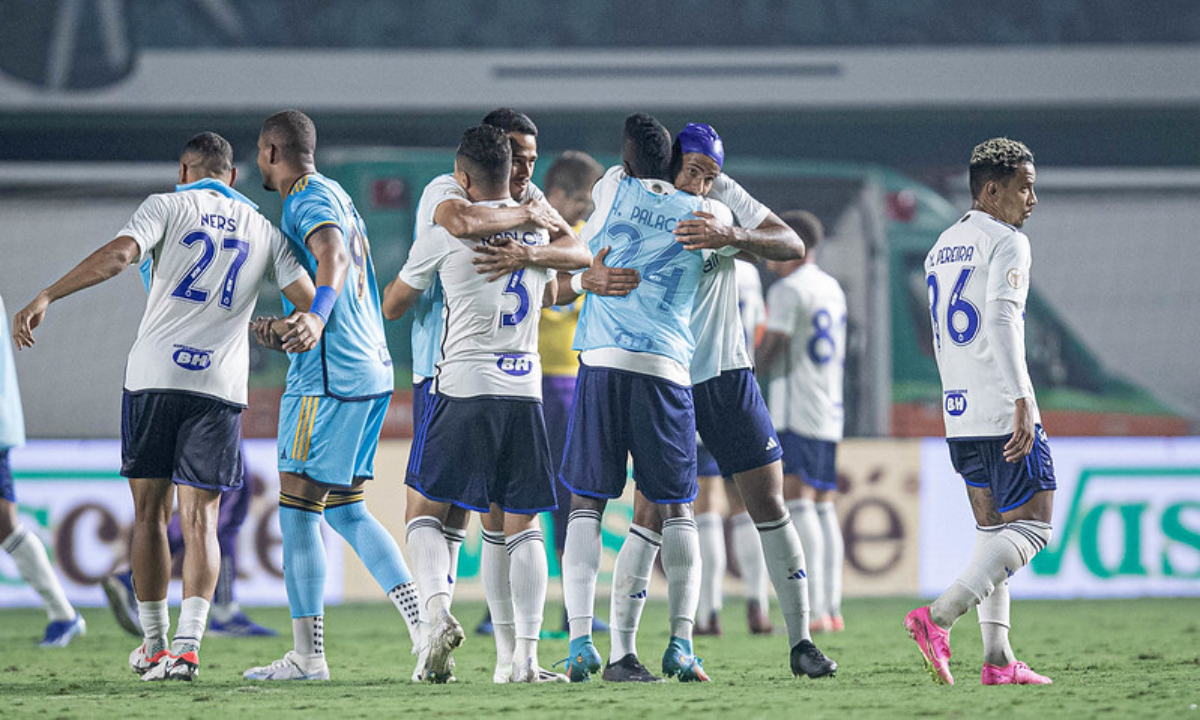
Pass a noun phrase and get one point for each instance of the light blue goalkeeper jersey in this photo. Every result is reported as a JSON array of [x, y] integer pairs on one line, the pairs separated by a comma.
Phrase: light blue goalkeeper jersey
[[427, 329], [352, 361], [655, 317]]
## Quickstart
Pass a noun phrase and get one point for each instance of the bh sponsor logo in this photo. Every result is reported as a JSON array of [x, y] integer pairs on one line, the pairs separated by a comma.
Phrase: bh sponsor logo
[[515, 365], [956, 403], [192, 359]]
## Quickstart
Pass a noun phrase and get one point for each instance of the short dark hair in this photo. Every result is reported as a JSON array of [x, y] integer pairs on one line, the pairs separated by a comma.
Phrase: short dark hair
[[647, 147], [806, 225], [510, 120], [573, 171], [485, 155], [996, 159], [212, 152], [294, 132]]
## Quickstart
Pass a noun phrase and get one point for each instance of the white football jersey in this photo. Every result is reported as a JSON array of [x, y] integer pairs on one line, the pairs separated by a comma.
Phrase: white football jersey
[[810, 308], [716, 314], [12, 420], [425, 339], [210, 248], [747, 212], [976, 261], [716, 321], [490, 342], [751, 305]]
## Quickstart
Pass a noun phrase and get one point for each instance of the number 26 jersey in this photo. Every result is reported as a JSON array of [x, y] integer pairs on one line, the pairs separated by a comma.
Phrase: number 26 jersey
[[977, 261]]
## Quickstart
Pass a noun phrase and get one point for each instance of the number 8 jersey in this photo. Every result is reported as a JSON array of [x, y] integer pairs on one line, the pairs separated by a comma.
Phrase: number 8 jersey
[[209, 249], [977, 261]]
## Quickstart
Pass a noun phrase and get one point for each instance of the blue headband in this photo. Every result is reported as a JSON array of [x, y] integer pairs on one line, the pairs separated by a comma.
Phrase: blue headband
[[701, 138]]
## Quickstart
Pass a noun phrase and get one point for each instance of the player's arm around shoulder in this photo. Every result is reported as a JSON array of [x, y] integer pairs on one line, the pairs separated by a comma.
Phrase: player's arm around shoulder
[[464, 219]]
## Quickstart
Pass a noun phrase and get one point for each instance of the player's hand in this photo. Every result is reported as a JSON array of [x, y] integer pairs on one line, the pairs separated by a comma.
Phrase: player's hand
[[500, 259], [704, 232], [543, 214], [1021, 442], [264, 333], [29, 318], [600, 279], [302, 333]]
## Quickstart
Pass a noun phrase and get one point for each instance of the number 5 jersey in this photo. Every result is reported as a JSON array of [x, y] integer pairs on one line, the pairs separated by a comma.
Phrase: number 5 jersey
[[209, 249], [976, 262], [490, 331]]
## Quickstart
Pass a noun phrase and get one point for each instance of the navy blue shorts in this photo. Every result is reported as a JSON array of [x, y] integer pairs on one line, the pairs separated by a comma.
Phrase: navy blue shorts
[[421, 393], [734, 423], [7, 490], [192, 439], [558, 396], [706, 464], [814, 461], [619, 413], [981, 463], [476, 452]]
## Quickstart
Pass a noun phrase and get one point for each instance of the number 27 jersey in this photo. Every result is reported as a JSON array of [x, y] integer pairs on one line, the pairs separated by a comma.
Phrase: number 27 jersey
[[209, 248], [977, 261]]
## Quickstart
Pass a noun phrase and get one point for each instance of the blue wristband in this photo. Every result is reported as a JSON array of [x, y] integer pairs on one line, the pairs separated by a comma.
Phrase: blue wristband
[[322, 303]]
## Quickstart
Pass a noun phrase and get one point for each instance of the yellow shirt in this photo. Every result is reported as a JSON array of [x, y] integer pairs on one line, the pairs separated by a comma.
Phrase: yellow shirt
[[556, 332]]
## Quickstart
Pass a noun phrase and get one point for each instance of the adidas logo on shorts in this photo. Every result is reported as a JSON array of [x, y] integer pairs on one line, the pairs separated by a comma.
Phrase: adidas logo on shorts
[[771, 443]]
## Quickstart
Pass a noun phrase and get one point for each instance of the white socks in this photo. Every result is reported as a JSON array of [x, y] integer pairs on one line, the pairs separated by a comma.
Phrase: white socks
[[430, 563], [747, 549], [785, 563], [155, 622], [193, 618], [454, 540], [404, 596], [1008, 549], [711, 527], [681, 561], [494, 571], [631, 579], [804, 516], [308, 636], [830, 572], [993, 611], [581, 565], [528, 577], [33, 564]]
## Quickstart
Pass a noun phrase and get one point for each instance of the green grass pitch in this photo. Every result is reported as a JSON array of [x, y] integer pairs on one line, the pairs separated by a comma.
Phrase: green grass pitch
[[1116, 658]]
